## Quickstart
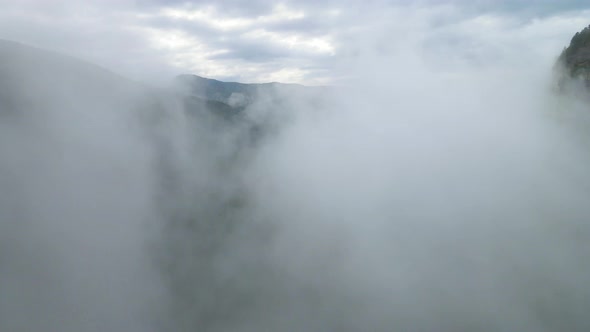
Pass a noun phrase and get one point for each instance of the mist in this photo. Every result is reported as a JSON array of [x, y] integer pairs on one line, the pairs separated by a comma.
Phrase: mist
[[439, 186]]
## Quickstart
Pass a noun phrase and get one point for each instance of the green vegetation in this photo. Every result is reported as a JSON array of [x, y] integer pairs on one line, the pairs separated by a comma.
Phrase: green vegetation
[[579, 41], [574, 60]]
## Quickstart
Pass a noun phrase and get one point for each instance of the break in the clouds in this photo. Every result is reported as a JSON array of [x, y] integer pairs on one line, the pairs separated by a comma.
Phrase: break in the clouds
[[289, 41]]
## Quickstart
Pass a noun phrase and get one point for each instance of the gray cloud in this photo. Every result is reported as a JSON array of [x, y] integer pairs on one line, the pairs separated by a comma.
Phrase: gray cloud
[[250, 40]]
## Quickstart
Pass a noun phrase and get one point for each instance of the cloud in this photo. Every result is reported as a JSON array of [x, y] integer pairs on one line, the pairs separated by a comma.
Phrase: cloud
[[252, 40]]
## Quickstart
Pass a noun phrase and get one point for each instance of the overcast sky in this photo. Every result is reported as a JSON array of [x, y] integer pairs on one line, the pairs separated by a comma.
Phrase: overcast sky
[[289, 41]]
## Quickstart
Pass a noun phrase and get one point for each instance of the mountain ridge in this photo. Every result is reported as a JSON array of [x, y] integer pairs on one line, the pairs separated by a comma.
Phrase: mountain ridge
[[237, 94], [39, 67]]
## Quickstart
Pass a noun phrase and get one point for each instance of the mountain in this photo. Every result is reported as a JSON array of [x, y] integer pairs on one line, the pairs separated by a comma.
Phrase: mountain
[[574, 60], [236, 94], [44, 90], [29, 75]]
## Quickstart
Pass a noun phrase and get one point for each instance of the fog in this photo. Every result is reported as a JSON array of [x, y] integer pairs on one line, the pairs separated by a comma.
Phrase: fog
[[439, 186]]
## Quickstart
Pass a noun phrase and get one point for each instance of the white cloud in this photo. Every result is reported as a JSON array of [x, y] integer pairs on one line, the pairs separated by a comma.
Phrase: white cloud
[[212, 17], [256, 41]]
